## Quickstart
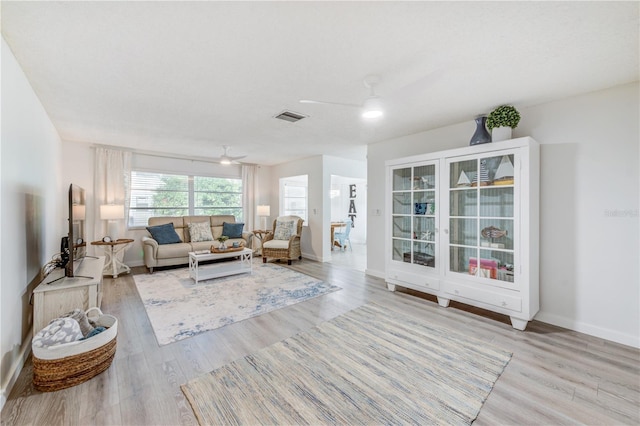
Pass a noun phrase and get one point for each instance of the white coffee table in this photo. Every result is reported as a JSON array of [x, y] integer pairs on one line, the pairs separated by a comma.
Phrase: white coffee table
[[241, 265]]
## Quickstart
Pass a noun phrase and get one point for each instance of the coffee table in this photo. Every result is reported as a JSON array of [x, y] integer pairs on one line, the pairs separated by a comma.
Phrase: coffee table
[[241, 265]]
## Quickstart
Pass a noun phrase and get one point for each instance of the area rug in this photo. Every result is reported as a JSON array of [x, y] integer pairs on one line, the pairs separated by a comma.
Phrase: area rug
[[178, 308], [369, 366]]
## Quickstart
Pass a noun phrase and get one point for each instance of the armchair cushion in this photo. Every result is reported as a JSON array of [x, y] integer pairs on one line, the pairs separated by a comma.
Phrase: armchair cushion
[[276, 244], [164, 234], [284, 229], [232, 230]]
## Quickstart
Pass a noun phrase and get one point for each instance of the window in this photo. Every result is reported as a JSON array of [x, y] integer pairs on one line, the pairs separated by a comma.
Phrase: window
[[293, 196], [161, 194]]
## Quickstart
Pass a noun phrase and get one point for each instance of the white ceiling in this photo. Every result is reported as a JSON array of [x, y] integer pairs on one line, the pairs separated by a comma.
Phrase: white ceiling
[[189, 77]]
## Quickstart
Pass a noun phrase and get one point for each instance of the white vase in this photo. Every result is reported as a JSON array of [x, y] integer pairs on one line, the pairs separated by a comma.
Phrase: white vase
[[501, 134]]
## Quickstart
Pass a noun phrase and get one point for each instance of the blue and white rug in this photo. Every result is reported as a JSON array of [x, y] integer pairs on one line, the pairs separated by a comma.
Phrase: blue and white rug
[[178, 308]]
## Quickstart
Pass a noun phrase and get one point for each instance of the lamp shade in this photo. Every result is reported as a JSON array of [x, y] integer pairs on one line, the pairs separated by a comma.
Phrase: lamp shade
[[372, 108], [78, 211], [264, 210], [111, 211]]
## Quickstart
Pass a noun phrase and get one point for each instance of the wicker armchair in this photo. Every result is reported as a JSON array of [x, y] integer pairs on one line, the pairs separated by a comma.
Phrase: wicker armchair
[[279, 244]]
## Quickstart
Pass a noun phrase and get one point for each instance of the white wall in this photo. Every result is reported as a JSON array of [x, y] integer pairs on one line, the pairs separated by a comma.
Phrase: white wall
[[589, 236], [315, 242], [310, 243], [32, 211], [338, 166]]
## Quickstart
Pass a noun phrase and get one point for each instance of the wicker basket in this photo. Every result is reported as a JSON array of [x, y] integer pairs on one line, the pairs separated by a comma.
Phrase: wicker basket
[[62, 366]]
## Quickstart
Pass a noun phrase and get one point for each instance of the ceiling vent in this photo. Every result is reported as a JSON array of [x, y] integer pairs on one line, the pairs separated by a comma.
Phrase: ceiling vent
[[290, 116]]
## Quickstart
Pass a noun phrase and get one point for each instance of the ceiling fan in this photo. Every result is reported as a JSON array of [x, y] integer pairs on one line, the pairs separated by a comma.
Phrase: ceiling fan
[[372, 106], [226, 159]]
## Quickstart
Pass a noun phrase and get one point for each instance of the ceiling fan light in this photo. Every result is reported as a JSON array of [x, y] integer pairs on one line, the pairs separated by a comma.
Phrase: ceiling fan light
[[225, 161], [372, 108]]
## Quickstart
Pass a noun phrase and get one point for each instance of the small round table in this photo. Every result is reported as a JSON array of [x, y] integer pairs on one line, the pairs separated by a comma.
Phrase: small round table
[[260, 234], [113, 265]]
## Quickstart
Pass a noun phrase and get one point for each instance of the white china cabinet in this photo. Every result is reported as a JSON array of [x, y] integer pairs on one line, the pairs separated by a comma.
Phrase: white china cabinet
[[463, 225]]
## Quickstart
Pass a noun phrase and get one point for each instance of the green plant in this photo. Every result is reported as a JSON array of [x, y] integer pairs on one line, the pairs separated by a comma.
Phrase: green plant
[[222, 238], [503, 116]]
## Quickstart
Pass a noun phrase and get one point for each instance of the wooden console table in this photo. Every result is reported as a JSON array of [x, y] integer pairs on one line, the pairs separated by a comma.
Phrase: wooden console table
[[56, 294]]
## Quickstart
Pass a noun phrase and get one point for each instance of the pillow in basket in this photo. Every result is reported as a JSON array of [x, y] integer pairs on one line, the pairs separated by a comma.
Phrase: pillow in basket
[[59, 331], [80, 316], [200, 231]]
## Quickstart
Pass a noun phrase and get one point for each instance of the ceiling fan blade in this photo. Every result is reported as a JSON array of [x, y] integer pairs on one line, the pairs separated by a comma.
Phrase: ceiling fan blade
[[236, 158], [225, 158], [310, 101]]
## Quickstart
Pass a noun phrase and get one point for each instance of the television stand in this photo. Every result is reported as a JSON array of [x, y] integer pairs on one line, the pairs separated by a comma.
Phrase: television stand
[[56, 294], [63, 277]]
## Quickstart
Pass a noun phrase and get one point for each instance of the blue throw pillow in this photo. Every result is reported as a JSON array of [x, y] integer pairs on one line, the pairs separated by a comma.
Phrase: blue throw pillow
[[232, 230], [164, 234]]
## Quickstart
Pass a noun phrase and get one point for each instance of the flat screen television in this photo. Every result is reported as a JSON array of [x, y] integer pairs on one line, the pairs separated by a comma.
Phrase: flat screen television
[[76, 244]]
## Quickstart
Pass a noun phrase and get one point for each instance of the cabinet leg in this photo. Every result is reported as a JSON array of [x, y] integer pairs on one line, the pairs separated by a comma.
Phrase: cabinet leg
[[443, 302], [391, 287], [518, 324]]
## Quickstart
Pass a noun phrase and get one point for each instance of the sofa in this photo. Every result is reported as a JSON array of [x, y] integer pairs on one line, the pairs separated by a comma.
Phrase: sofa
[[175, 251]]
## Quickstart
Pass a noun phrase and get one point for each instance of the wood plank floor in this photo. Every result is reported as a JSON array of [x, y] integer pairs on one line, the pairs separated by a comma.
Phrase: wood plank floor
[[556, 376]]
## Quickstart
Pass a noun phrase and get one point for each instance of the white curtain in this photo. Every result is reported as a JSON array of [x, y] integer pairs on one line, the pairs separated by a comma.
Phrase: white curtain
[[111, 186], [249, 188]]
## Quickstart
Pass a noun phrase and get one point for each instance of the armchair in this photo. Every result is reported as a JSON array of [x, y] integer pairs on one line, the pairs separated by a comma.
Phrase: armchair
[[284, 241]]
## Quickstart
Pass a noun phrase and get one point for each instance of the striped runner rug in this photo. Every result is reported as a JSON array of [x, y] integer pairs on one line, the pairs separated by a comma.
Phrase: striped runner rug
[[369, 366]]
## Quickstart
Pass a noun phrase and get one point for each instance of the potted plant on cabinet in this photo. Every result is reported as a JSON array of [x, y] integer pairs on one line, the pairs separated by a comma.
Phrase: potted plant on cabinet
[[501, 121]]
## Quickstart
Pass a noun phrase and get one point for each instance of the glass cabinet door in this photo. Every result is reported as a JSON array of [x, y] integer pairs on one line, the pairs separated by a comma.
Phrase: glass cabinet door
[[481, 217], [413, 227]]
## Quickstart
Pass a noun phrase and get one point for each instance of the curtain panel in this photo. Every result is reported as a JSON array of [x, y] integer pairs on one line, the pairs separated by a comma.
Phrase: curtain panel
[[249, 188], [111, 187]]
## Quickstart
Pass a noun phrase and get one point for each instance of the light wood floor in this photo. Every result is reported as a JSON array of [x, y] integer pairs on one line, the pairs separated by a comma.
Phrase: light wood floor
[[556, 376]]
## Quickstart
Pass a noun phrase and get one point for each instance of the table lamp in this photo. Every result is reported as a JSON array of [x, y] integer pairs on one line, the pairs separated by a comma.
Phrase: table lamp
[[112, 213], [263, 212]]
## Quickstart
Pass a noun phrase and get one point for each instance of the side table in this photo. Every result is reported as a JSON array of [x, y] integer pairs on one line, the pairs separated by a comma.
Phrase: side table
[[260, 234], [113, 265]]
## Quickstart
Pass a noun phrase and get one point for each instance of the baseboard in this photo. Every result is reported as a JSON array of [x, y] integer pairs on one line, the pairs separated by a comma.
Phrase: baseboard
[[312, 257], [592, 330], [16, 369], [134, 263], [374, 273]]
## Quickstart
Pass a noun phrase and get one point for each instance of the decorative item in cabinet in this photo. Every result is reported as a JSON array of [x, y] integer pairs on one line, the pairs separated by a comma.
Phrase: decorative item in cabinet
[[463, 180], [504, 173], [488, 268], [483, 176], [419, 258], [490, 233]]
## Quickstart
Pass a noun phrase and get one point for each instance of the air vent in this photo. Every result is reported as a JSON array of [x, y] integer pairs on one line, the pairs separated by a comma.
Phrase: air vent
[[290, 116]]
